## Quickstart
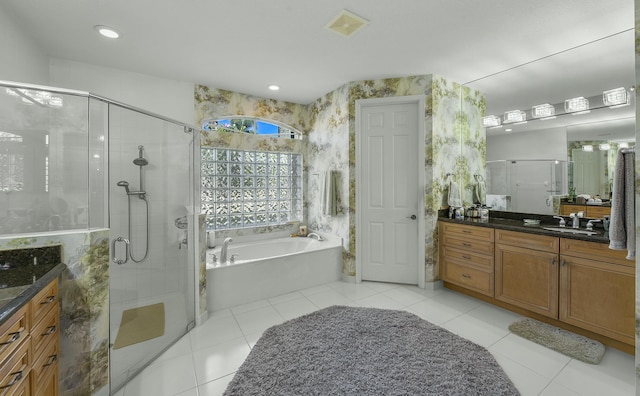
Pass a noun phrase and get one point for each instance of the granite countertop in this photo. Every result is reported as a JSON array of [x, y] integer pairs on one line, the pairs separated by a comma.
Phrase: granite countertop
[[513, 221], [23, 273]]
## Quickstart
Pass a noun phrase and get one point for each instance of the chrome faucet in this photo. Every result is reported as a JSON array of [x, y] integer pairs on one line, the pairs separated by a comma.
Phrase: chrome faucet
[[590, 224], [562, 222], [313, 234], [223, 251], [576, 219]]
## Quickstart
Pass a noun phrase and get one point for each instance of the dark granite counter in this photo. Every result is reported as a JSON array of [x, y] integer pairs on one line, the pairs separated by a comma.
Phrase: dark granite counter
[[23, 273], [513, 221]]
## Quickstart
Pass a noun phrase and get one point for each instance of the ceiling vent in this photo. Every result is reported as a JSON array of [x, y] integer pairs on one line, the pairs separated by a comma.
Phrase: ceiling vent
[[346, 23]]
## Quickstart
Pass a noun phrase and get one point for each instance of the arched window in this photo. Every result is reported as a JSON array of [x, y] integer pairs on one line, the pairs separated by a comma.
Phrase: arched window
[[254, 126]]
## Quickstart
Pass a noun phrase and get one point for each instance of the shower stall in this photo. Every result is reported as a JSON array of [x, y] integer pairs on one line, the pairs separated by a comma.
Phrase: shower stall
[[73, 163]]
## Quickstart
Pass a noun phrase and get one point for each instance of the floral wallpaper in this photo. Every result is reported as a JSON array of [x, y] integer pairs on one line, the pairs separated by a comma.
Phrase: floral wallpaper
[[328, 126], [84, 308]]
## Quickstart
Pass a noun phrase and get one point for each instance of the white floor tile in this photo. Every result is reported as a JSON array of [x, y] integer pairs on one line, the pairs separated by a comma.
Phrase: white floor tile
[[285, 297], [555, 389], [220, 360], [295, 308], [166, 378], [253, 338], [614, 376], [258, 319], [324, 299], [216, 387], [317, 289], [215, 331], [249, 307], [190, 392], [476, 330], [180, 348], [527, 381], [355, 291], [405, 296], [538, 358], [379, 301], [433, 312], [380, 286]]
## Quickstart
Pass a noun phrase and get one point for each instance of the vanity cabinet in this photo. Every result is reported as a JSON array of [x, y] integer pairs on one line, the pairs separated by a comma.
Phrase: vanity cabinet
[[526, 271], [30, 346], [597, 289], [467, 257]]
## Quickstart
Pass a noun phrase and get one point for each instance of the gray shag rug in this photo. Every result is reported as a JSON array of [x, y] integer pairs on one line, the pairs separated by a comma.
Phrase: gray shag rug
[[367, 351], [560, 340]]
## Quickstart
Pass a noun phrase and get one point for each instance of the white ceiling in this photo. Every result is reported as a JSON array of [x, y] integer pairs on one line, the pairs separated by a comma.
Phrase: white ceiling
[[246, 45]]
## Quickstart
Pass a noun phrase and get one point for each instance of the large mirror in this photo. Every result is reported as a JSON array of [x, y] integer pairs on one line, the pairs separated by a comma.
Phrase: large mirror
[[532, 164]]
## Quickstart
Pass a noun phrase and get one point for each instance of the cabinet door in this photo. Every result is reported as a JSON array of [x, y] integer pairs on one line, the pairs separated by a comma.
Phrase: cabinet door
[[527, 278], [598, 296]]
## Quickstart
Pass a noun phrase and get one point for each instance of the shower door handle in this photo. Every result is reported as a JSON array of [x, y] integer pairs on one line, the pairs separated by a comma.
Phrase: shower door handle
[[126, 250]]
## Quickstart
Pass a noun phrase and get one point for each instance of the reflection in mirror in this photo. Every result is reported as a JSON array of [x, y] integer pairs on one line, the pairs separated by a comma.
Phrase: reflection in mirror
[[534, 160], [254, 126]]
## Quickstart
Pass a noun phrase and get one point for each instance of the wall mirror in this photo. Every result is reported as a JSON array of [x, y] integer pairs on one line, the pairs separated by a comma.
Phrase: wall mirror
[[536, 154]]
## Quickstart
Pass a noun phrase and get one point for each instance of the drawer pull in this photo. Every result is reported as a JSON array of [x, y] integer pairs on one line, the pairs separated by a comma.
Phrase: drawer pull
[[553, 261], [466, 257], [48, 300], [466, 231], [466, 244], [52, 360], [563, 263], [17, 377], [50, 330], [14, 337], [466, 276]]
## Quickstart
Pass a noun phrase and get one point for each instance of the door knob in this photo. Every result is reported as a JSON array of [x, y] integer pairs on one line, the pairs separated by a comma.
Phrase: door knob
[[412, 217]]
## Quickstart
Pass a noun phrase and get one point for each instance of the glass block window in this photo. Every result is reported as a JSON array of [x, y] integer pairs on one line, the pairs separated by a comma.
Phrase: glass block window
[[243, 189]]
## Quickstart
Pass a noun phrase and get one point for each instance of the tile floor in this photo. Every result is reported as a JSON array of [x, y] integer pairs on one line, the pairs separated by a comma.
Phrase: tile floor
[[203, 362]]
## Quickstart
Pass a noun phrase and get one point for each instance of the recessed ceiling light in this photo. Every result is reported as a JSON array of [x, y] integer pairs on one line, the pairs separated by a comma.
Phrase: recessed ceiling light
[[107, 31], [274, 87]]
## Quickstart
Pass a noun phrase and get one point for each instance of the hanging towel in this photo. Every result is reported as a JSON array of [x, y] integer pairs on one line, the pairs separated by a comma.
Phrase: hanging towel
[[454, 195], [480, 193], [330, 193], [623, 225]]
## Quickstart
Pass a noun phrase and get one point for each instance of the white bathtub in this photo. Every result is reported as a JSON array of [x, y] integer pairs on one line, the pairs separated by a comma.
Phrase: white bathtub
[[268, 268]]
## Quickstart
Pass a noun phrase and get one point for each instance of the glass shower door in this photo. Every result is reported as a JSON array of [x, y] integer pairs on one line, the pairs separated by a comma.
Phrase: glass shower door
[[151, 270]]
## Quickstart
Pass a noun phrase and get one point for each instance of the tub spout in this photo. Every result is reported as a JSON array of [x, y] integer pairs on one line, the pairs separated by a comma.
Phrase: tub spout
[[223, 251], [313, 234]]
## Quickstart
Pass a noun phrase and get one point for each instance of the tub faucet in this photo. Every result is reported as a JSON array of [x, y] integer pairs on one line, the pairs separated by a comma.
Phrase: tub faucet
[[313, 234], [223, 251]]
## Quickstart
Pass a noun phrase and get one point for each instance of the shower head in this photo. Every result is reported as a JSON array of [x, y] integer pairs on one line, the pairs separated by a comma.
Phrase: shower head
[[140, 161], [125, 184]]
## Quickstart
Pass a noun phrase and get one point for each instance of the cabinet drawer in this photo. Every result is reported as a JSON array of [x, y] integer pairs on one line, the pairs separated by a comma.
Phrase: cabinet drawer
[[467, 231], [15, 369], [594, 250], [469, 277], [14, 331], [44, 301], [598, 211], [46, 365], [471, 245], [567, 209], [468, 258], [529, 241], [47, 330]]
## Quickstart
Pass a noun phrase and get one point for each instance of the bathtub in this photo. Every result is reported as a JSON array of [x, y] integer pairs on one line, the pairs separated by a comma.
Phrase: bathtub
[[268, 268]]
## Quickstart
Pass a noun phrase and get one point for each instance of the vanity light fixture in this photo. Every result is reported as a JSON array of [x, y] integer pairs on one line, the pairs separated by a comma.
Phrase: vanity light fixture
[[587, 147], [615, 97], [623, 145], [575, 106], [604, 146], [543, 111], [515, 116], [508, 130], [491, 121], [107, 31]]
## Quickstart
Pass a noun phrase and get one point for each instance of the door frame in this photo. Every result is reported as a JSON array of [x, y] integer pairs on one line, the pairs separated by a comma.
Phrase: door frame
[[394, 100]]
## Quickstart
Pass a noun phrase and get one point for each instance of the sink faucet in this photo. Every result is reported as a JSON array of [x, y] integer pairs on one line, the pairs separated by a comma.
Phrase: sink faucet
[[313, 234], [223, 251], [576, 219], [590, 224], [562, 222]]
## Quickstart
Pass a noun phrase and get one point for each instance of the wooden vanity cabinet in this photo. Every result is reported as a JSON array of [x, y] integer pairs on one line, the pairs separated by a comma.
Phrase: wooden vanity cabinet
[[30, 346], [467, 257], [526, 271], [597, 289], [590, 211]]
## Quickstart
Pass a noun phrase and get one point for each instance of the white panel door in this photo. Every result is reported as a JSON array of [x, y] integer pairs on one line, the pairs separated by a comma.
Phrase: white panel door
[[389, 192]]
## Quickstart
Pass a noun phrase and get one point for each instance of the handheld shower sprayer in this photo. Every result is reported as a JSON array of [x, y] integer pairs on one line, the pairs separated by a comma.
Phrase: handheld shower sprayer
[[125, 184]]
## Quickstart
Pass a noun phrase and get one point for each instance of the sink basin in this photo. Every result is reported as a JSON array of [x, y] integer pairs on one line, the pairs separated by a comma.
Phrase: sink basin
[[570, 230]]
